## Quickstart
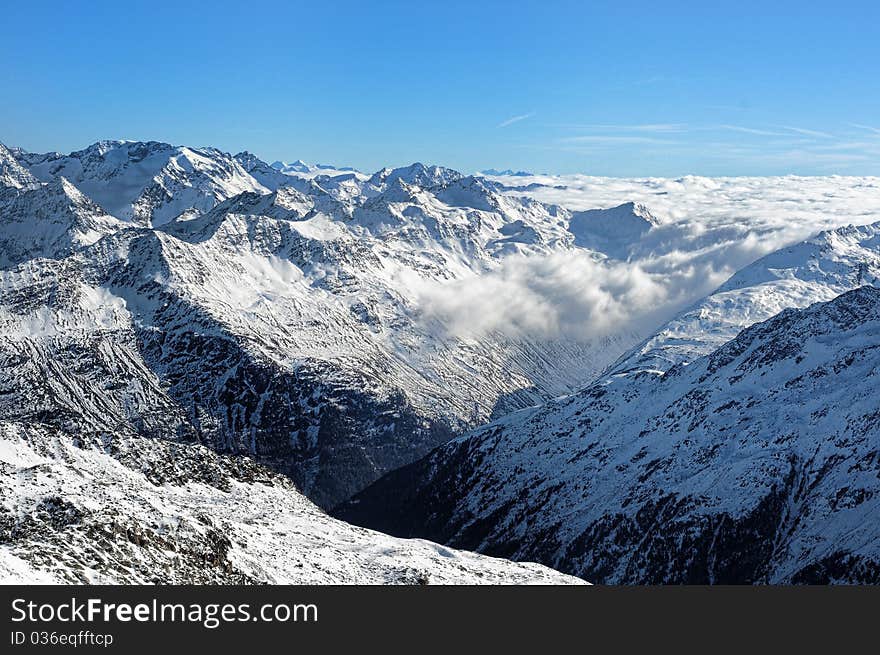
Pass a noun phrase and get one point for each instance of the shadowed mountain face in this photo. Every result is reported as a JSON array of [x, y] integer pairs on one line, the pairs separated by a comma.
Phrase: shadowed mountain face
[[758, 462]]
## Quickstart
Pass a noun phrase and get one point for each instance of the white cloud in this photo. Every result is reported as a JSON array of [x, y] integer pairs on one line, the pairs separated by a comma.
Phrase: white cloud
[[612, 139], [661, 128], [875, 130], [566, 294], [710, 228], [515, 119], [749, 130], [806, 132]]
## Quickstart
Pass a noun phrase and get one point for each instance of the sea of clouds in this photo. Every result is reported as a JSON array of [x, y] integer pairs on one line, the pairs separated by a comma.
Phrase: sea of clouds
[[709, 228]]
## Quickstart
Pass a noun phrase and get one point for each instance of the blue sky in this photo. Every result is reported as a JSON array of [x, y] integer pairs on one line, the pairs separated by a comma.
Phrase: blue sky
[[616, 88]]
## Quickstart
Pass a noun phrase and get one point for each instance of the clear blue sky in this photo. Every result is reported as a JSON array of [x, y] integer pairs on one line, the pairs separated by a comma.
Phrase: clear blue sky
[[612, 88]]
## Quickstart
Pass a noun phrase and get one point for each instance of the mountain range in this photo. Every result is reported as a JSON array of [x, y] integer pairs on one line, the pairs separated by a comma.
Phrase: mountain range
[[740, 443], [201, 353], [292, 300]]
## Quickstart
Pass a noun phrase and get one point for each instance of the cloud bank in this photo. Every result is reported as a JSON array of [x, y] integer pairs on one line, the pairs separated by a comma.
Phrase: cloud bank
[[567, 294], [710, 228]]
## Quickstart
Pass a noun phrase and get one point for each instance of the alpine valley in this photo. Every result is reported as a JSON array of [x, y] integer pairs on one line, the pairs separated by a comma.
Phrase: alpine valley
[[202, 354]]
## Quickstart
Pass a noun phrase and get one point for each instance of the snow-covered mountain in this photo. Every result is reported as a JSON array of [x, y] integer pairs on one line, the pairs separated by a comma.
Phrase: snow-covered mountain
[[185, 316], [302, 169], [612, 231], [706, 454], [818, 269], [50, 221], [14, 176], [507, 172], [285, 321], [216, 312], [146, 183], [755, 463]]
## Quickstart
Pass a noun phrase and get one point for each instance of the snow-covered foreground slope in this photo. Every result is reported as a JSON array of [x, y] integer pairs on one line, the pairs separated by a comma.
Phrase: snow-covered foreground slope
[[758, 462], [129, 510]]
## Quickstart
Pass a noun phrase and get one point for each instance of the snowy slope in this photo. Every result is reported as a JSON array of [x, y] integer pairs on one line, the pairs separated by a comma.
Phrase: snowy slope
[[612, 231], [818, 269], [12, 174], [50, 221], [129, 510], [757, 462]]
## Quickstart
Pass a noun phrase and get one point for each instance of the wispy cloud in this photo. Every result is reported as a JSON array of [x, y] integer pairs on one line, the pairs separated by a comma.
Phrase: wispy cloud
[[750, 130], [612, 139], [806, 132], [720, 146], [866, 127], [654, 79], [660, 128], [515, 119], [849, 145], [740, 107]]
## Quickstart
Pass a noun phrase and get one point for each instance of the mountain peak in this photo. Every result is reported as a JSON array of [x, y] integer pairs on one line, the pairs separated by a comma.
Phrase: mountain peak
[[52, 221], [507, 172], [418, 174], [298, 166], [12, 173], [613, 229], [151, 182]]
